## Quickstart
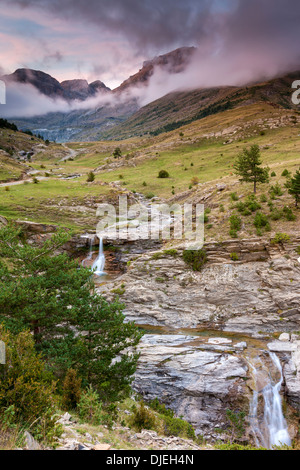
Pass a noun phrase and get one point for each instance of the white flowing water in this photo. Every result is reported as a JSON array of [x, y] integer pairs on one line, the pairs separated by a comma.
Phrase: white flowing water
[[99, 264], [272, 430]]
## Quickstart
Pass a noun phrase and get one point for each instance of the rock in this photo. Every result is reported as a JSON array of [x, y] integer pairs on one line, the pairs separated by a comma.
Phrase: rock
[[102, 447], [197, 384], [279, 346], [31, 443], [3, 221], [221, 187], [65, 419], [219, 341], [254, 296], [285, 337], [242, 345], [291, 372]]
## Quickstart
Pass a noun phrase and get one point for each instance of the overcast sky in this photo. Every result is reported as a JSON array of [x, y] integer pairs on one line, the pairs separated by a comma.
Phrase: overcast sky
[[110, 39]]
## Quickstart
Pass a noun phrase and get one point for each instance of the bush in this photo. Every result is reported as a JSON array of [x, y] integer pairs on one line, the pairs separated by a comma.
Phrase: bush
[[285, 173], [235, 222], [276, 190], [71, 390], [273, 174], [178, 427], [263, 198], [234, 197], [288, 213], [261, 220], [195, 258], [195, 180], [234, 256], [280, 238], [163, 174], [91, 177], [26, 388], [90, 407], [142, 418]]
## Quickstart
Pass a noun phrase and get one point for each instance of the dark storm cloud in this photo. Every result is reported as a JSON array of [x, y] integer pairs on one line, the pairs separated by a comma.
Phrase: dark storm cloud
[[145, 23], [215, 25]]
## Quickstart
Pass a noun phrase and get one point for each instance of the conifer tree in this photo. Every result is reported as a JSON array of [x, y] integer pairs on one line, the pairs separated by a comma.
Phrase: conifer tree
[[293, 186], [248, 167], [73, 327]]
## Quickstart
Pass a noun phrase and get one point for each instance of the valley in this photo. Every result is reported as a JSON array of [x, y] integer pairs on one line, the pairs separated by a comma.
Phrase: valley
[[205, 331]]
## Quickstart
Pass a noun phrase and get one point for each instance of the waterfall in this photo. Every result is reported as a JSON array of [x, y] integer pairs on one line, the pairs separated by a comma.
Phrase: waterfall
[[272, 431], [99, 264]]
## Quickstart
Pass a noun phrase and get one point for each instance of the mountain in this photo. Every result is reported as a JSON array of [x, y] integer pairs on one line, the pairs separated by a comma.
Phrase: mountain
[[49, 86], [177, 109], [120, 115], [173, 62]]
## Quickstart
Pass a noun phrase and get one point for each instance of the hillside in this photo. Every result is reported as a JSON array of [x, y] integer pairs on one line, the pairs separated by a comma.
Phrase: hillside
[[183, 107], [198, 157]]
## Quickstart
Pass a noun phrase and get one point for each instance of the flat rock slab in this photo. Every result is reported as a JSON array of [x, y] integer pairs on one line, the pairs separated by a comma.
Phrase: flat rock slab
[[280, 346]]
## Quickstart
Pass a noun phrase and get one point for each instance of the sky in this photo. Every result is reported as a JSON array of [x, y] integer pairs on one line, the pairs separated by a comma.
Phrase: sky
[[237, 40]]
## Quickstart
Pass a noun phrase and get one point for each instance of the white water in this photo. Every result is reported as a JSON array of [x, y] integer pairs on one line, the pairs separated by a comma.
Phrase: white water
[[272, 430], [99, 264]]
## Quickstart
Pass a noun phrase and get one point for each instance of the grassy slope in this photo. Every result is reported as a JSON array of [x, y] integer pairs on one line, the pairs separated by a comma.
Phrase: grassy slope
[[210, 144]]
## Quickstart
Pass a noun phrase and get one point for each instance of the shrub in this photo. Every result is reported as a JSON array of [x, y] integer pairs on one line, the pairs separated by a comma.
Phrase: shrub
[[234, 197], [195, 258], [142, 418], [263, 198], [26, 386], [150, 195], [195, 180], [171, 252], [233, 233], [90, 407], [261, 220], [273, 174], [161, 408], [178, 427], [91, 177], [235, 222], [71, 390], [276, 190], [163, 174], [234, 256], [285, 173], [280, 238]]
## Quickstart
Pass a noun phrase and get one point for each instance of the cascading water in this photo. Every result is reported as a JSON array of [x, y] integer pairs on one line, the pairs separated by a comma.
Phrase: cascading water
[[272, 430], [99, 264]]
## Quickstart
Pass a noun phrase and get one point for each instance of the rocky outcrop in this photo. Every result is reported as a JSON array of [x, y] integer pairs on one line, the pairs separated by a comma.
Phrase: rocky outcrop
[[259, 293], [196, 378]]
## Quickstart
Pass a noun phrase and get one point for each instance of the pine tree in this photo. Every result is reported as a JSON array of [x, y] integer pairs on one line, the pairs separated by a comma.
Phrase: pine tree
[[293, 186], [248, 166], [53, 297]]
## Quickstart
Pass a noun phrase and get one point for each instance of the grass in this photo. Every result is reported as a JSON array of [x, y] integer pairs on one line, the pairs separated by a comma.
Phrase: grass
[[200, 153]]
